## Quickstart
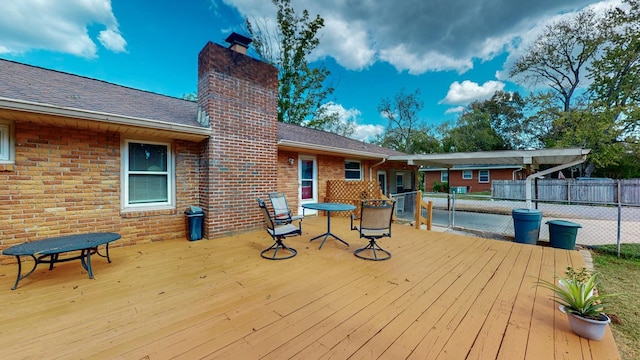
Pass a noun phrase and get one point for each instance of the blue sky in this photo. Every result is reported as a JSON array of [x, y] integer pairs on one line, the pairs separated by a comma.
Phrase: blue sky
[[454, 51]]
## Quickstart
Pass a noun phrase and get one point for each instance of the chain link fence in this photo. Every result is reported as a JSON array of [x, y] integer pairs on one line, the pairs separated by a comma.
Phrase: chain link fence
[[603, 224]]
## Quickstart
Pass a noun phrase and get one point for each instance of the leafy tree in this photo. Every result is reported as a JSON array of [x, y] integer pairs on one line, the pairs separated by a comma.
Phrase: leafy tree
[[591, 129], [616, 75], [560, 54], [301, 91], [538, 126], [405, 131], [506, 116], [567, 53], [335, 124], [472, 132], [191, 96]]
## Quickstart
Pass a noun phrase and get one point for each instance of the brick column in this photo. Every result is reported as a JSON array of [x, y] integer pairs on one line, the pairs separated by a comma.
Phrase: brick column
[[240, 96]]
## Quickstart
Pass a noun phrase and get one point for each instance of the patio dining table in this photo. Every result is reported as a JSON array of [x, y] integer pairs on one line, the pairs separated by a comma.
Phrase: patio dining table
[[329, 208]]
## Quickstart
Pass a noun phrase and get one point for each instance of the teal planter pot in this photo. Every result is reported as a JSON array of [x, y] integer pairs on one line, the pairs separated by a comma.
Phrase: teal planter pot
[[562, 234], [526, 225]]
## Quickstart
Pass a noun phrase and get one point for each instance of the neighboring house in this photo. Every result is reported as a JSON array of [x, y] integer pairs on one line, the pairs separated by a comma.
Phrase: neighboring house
[[470, 178], [83, 155]]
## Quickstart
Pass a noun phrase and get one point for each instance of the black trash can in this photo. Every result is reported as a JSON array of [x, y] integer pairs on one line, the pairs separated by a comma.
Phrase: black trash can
[[526, 225], [195, 224], [562, 234]]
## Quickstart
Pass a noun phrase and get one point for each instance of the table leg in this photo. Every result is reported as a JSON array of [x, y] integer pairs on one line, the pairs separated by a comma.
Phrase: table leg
[[20, 276], [328, 233], [86, 263]]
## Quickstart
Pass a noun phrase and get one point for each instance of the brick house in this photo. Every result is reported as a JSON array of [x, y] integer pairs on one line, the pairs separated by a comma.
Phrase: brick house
[[83, 155], [471, 178]]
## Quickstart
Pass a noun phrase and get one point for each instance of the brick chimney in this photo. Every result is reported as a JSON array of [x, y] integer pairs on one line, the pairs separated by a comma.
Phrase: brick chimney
[[240, 96]]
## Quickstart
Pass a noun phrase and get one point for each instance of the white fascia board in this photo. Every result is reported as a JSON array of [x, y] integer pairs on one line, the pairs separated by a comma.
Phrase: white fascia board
[[38, 108], [331, 149], [459, 168], [501, 157]]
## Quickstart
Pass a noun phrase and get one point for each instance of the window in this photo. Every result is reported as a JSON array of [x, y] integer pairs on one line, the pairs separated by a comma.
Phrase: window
[[6, 142], [444, 176], [467, 174], [352, 170], [399, 183], [483, 176], [148, 174]]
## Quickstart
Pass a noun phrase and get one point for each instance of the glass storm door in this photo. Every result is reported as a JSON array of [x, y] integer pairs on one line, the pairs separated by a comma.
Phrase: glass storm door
[[307, 182]]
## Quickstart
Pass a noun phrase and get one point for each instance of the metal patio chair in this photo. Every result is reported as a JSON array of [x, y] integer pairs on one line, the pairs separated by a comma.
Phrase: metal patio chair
[[278, 233], [282, 214], [375, 223]]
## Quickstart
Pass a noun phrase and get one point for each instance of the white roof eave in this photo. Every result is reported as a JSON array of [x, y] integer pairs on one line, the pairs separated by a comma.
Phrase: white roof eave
[[502, 157], [330, 149], [47, 109]]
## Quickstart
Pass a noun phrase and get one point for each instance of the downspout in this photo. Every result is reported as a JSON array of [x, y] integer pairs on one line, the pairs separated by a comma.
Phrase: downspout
[[545, 172], [513, 174], [375, 165]]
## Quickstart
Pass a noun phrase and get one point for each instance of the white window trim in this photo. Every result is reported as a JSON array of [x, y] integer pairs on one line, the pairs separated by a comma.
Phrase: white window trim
[[480, 177], [442, 176], [124, 179], [470, 172], [359, 170], [7, 142]]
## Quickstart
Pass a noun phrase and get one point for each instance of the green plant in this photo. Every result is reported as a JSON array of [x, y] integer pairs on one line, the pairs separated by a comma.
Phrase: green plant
[[440, 186], [581, 275], [577, 296], [622, 275]]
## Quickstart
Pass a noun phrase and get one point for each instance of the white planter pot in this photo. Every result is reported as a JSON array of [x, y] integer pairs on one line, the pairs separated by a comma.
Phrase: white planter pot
[[588, 328]]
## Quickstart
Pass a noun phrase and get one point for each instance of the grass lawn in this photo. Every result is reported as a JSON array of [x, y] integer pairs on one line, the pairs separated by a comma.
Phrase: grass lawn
[[622, 275]]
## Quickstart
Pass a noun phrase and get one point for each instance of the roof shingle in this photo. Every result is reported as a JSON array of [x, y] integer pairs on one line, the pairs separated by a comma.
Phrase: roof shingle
[[43, 86], [34, 84]]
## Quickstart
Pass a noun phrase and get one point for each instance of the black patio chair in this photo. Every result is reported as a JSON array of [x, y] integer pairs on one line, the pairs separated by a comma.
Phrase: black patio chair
[[278, 233], [375, 223]]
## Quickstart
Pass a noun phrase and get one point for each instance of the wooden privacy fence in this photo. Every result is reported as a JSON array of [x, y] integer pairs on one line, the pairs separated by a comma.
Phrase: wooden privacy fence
[[626, 191]]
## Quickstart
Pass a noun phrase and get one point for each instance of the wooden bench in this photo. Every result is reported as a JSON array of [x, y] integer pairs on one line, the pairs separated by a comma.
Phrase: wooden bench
[[47, 251]]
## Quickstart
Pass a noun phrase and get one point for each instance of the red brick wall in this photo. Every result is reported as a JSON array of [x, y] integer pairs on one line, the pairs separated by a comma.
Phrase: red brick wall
[[67, 181], [329, 168], [455, 179], [288, 177], [240, 94]]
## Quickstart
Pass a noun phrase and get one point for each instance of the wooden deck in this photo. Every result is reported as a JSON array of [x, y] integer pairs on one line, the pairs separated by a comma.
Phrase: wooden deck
[[441, 296]]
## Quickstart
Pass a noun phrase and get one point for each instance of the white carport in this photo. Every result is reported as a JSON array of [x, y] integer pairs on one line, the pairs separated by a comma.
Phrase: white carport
[[562, 158]]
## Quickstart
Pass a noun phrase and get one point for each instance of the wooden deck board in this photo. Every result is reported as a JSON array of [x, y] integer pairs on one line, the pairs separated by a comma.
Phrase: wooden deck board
[[440, 296]]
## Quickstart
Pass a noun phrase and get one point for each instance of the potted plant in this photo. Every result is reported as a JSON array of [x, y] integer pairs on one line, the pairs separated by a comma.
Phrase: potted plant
[[583, 306]]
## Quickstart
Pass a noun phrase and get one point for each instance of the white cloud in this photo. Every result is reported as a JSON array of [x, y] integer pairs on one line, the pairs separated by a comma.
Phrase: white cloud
[[469, 91], [419, 36], [49, 25], [347, 42], [404, 59], [455, 110], [363, 132], [367, 132], [112, 40]]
